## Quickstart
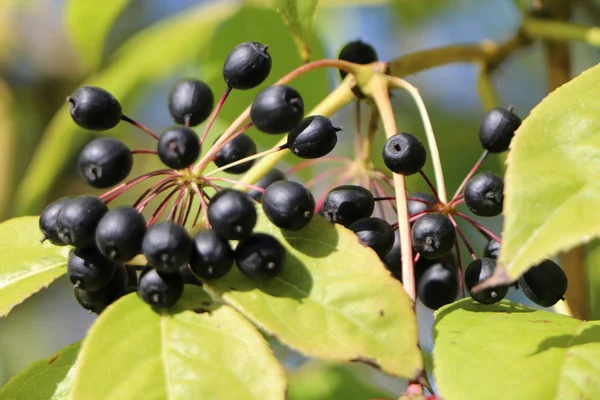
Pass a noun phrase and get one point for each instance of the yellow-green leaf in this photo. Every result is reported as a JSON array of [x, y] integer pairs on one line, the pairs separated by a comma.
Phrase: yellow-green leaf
[[509, 351], [333, 300], [27, 265], [88, 24], [299, 16], [193, 351], [47, 379]]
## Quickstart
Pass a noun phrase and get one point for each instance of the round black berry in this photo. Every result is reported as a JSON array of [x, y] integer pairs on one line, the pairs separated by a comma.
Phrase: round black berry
[[438, 286], [544, 284], [492, 249], [188, 276], [347, 204], [167, 246], [94, 108], [416, 207], [98, 300], [232, 214], [159, 289], [404, 154], [48, 221], [247, 66], [260, 256], [357, 52], [313, 138], [191, 102], [89, 270], [288, 205], [484, 194], [104, 162], [212, 257], [476, 272], [277, 109], [238, 148], [497, 129], [272, 176], [433, 235], [120, 233], [77, 220], [375, 233], [178, 147], [392, 259]]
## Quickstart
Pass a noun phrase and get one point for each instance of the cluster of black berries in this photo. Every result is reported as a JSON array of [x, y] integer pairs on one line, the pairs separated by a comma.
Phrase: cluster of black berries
[[106, 240]]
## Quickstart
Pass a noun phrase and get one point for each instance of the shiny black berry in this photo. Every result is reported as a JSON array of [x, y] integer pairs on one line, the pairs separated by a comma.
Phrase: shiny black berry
[[89, 270], [288, 205], [178, 147], [158, 289], [260, 257], [48, 221], [120, 233], [98, 300], [484, 194], [476, 272], [392, 259], [357, 52], [404, 154], [544, 284], [212, 257], [277, 109], [247, 66], [94, 108], [433, 235], [191, 102], [313, 138], [272, 176], [104, 162], [167, 246], [492, 249], [438, 285], [232, 214], [77, 220], [188, 276], [416, 207], [497, 129], [238, 148], [375, 233], [348, 203]]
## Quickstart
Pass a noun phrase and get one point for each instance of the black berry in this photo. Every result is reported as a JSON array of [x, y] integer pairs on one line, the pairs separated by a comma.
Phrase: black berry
[[48, 221], [120, 233], [104, 162], [492, 249], [212, 257], [497, 129], [260, 257], [247, 66], [98, 300], [375, 233], [404, 154], [544, 284], [288, 205], [158, 289], [89, 270], [484, 194], [438, 285], [313, 138], [178, 147], [433, 235], [392, 259], [272, 176], [277, 109], [357, 52], [416, 207], [238, 148], [476, 272], [191, 102], [167, 246], [232, 214], [347, 204], [76, 222], [188, 276], [94, 108]]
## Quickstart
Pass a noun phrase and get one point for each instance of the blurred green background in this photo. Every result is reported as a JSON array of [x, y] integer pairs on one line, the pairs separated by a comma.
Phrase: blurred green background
[[137, 49]]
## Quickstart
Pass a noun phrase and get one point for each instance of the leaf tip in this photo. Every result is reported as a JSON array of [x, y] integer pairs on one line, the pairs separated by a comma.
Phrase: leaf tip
[[500, 277]]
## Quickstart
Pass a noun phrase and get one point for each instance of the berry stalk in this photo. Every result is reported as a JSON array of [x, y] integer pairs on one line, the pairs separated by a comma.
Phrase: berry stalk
[[139, 126], [469, 175], [250, 158], [215, 113]]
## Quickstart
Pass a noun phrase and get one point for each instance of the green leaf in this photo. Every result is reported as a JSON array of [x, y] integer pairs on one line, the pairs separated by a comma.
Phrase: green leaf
[[334, 300], [509, 351], [551, 182], [193, 351], [88, 25], [592, 280], [154, 53], [299, 16], [27, 265], [47, 379]]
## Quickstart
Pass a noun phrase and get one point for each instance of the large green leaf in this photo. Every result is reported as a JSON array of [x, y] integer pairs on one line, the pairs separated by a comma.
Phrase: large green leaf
[[27, 265], [509, 351], [193, 351], [88, 25], [154, 53], [47, 379], [551, 183], [299, 16], [333, 300]]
